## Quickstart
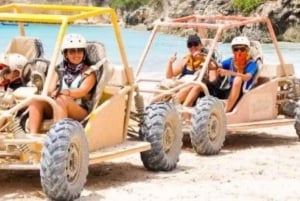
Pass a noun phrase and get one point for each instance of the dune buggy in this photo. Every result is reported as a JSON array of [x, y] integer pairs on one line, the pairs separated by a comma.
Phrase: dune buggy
[[117, 125], [272, 100]]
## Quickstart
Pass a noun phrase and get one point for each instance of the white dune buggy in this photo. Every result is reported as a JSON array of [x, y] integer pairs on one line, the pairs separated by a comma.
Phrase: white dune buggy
[[270, 102]]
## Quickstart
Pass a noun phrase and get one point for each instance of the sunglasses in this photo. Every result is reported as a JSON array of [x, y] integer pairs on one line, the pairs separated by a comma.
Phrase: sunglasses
[[192, 44], [76, 50], [242, 49]]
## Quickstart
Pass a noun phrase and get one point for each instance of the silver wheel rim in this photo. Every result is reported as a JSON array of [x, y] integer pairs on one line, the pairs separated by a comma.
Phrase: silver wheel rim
[[73, 162], [168, 137], [213, 127]]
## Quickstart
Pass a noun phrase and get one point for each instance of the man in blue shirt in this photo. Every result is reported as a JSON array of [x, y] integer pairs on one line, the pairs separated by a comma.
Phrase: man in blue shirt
[[239, 70]]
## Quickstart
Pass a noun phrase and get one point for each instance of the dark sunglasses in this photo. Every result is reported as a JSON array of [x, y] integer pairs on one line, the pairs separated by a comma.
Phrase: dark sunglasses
[[242, 49], [191, 44], [74, 50]]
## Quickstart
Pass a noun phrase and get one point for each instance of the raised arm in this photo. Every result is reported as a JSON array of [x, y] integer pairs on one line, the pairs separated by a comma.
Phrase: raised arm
[[173, 71]]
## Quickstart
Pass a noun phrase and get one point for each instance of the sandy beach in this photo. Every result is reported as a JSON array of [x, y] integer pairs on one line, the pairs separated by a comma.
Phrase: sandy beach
[[254, 165]]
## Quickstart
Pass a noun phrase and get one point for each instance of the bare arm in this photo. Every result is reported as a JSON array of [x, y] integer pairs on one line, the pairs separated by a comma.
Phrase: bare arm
[[173, 71], [245, 77]]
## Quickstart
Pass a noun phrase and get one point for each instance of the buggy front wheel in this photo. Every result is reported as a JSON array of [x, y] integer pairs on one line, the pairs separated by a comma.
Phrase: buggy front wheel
[[64, 162], [208, 126], [161, 127]]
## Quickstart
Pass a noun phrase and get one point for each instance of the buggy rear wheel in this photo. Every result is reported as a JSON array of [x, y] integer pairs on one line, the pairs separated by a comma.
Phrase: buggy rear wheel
[[162, 128], [64, 162], [208, 126]]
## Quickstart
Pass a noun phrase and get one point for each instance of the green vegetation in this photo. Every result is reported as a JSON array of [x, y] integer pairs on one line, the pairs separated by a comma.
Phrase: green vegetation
[[128, 4], [246, 6], [156, 4]]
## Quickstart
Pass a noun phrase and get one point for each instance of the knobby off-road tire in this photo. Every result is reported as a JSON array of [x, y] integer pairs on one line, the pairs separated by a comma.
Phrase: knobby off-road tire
[[64, 161], [208, 126], [297, 119], [161, 127], [288, 108]]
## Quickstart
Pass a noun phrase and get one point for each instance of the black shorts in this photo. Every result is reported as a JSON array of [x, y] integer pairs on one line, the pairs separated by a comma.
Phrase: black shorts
[[215, 91]]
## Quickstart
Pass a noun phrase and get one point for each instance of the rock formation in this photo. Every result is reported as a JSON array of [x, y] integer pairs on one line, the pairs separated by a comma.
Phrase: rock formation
[[284, 14]]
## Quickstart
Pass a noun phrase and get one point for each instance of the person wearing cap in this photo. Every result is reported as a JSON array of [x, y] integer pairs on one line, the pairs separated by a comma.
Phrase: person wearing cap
[[74, 86], [191, 63], [239, 69]]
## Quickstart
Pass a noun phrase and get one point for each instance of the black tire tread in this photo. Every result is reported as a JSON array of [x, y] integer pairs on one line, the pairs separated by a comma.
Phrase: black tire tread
[[152, 130], [199, 134], [54, 158]]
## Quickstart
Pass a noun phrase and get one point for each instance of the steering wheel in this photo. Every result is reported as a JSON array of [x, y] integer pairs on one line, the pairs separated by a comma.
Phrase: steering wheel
[[210, 67], [35, 70]]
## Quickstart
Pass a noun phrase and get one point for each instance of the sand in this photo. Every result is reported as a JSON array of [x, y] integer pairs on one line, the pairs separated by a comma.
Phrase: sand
[[254, 165]]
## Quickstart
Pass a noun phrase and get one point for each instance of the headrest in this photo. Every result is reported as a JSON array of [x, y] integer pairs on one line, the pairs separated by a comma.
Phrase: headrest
[[255, 50], [95, 52], [28, 46]]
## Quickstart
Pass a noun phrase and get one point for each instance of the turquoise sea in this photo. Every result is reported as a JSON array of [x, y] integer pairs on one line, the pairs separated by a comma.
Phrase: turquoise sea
[[135, 41]]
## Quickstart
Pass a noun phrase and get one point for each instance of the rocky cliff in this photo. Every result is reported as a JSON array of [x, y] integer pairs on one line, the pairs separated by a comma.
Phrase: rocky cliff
[[284, 14]]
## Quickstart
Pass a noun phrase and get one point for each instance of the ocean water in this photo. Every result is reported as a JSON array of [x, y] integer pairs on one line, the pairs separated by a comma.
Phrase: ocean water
[[135, 41]]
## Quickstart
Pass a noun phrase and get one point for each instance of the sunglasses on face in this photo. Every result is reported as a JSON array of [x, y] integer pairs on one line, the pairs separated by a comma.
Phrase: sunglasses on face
[[75, 50], [242, 49], [192, 44]]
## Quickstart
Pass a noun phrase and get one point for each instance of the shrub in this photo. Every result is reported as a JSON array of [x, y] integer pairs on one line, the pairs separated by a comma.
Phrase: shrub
[[128, 4], [246, 6]]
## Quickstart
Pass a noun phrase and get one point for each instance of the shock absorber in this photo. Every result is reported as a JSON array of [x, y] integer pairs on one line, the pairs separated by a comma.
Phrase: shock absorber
[[139, 105], [19, 133], [136, 115], [17, 129], [296, 88]]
